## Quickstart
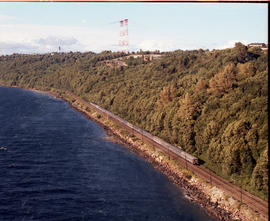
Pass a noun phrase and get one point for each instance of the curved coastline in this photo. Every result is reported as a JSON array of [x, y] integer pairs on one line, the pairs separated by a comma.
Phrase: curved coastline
[[213, 200]]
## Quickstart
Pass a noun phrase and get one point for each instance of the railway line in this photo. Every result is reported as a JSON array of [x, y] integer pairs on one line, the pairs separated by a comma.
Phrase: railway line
[[239, 194]]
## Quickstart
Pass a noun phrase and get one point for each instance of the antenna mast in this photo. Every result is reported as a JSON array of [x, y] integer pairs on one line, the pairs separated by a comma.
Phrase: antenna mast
[[123, 42]]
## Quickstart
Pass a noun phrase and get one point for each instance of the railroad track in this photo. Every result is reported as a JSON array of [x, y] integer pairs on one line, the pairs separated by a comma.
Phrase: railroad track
[[237, 193]]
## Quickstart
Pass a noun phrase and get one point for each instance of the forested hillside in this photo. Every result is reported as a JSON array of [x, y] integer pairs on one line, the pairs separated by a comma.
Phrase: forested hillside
[[213, 104]]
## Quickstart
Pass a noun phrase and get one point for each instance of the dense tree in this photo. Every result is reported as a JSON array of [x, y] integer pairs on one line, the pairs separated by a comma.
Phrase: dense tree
[[224, 81], [167, 95], [241, 52], [187, 108], [245, 70], [260, 173], [211, 103], [200, 86]]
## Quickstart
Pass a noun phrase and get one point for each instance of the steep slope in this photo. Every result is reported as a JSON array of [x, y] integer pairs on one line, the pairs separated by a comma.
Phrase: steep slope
[[212, 104]]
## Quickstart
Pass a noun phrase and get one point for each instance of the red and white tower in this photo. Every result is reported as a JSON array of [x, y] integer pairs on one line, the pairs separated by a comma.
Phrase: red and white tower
[[123, 42]]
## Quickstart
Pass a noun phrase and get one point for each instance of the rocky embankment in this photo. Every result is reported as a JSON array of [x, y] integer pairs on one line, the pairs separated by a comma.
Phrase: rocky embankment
[[212, 199]]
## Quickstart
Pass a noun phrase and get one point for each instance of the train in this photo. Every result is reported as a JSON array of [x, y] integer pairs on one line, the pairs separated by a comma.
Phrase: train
[[145, 135]]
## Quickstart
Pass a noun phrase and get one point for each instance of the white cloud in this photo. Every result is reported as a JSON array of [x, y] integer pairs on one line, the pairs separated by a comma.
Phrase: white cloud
[[12, 47], [7, 18], [56, 41], [161, 44], [45, 38], [29, 38]]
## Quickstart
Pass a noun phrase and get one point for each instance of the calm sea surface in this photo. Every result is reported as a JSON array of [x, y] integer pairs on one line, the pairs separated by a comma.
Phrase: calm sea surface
[[54, 165]]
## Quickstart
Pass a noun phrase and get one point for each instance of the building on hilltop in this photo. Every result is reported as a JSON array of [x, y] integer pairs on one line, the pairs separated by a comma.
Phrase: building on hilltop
[[113, 63], [150, 57], [261, 45]]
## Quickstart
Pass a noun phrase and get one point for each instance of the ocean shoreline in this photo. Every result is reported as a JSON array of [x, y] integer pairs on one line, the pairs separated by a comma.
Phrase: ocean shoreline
[[195, 188]]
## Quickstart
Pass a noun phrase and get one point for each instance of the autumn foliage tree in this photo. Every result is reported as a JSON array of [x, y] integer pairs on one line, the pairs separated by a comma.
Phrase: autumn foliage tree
[[245, 70], [167, 95], [200, 86], [224, 81]]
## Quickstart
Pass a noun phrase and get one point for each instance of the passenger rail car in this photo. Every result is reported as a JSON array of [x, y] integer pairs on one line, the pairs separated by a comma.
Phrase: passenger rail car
[[143, 134]]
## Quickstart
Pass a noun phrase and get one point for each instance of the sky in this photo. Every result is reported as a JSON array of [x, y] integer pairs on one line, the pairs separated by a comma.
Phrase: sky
[[42, 27]]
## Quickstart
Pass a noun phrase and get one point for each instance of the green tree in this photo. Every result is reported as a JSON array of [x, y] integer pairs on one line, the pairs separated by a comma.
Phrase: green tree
[[241, 52], [259, 179]]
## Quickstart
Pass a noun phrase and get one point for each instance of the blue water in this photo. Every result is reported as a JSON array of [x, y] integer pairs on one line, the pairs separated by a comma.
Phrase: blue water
[[56, 166]]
